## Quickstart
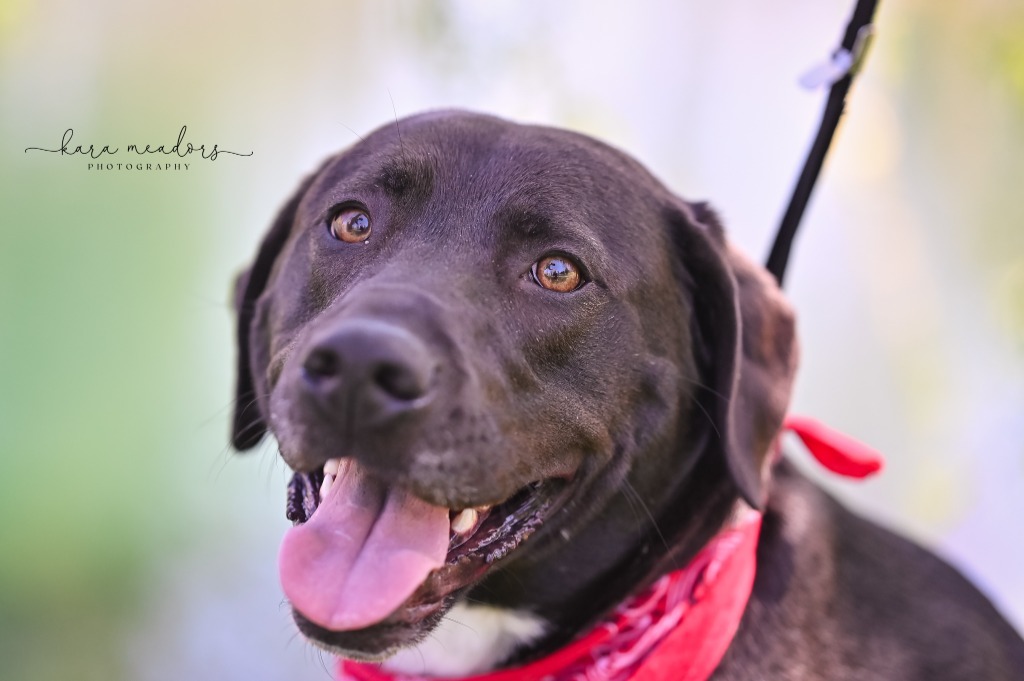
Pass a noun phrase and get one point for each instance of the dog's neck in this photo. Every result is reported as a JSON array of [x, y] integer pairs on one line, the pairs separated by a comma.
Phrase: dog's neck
[[682, 623], [477, 638], [473, 639]]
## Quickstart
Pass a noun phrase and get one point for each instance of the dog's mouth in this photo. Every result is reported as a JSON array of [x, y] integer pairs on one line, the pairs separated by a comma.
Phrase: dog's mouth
[[364, 554]]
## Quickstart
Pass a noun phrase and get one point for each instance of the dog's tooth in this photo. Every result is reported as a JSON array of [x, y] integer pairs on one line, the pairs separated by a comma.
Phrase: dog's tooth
[[327, 484], [331, 467], [465, 521]]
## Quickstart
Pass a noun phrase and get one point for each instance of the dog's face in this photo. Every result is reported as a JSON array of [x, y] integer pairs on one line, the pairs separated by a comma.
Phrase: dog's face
[[491, 339]]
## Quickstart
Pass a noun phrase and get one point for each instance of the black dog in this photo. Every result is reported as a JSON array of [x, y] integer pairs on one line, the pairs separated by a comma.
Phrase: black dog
[[525, 379]]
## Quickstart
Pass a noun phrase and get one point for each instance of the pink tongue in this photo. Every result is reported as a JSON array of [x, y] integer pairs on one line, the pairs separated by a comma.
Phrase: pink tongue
[[364, 551]]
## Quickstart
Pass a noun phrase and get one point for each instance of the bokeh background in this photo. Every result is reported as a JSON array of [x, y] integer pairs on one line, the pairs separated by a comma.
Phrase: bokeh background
[[135, 545]]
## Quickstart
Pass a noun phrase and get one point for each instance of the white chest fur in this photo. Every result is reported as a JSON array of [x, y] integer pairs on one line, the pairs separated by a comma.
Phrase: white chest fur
[[471, 639]]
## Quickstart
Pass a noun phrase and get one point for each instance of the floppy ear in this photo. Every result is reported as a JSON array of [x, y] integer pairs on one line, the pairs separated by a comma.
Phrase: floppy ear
[[746, 343], [248, 426]]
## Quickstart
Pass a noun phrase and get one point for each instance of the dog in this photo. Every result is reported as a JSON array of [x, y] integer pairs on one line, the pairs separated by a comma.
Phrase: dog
[[520, 382]]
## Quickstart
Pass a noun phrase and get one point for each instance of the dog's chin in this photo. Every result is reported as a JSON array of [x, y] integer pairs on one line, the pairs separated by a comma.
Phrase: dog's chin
[[492, 541], [372, 644]]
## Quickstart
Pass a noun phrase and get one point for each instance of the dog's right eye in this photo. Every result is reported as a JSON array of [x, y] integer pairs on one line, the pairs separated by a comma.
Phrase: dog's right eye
[[557, 273], [351, 225]]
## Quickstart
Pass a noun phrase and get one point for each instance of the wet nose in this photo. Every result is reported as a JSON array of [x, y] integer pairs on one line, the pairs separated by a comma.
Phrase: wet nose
[[373, 370]]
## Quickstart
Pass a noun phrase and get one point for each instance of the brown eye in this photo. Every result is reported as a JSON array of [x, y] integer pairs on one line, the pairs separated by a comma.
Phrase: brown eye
[[351, 225], [557, 273]]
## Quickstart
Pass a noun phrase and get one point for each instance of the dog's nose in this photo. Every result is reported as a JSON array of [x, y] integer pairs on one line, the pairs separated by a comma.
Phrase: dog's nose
[[371, 370]]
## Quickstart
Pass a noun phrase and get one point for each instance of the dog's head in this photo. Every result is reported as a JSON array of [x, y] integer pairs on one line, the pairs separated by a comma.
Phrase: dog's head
[[465, 333]]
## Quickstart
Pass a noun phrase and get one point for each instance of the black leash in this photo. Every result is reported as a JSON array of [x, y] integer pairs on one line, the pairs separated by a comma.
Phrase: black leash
[[840, 71]]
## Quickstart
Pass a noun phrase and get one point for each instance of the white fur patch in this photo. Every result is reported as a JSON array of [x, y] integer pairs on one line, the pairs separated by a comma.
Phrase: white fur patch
[[471, 639]]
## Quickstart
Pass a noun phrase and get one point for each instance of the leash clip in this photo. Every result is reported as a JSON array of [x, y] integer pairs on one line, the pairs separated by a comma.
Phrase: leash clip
[[843, 62]]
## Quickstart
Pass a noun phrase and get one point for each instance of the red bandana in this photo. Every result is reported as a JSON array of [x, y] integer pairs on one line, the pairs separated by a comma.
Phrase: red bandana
[[681, 626]]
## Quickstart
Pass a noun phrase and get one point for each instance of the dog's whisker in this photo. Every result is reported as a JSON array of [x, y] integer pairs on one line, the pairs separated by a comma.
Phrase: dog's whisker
[[215, 415], [255, 398], [224, 458], [296, 635], [245, 410], [323, 665], [710, 420], [460, 623], [272, 463], [244, 432], [253, 401], [637, 516], [423, 657], [704, 386], [630, 490], [309, 651], [351, 130], [398, 127]]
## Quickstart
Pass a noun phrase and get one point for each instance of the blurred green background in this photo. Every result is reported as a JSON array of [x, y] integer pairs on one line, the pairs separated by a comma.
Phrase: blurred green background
[[135, 545]]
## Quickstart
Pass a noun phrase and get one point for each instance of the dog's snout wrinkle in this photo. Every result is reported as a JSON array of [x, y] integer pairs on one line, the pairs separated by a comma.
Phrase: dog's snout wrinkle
[[372, 370]]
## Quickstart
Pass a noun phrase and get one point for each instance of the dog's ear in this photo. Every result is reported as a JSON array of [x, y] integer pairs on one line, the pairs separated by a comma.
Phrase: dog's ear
[[248, 426], [745, 343]]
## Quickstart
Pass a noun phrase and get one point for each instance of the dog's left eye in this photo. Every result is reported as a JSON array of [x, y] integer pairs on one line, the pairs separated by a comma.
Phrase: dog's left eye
[[351, 225], [557, 273]]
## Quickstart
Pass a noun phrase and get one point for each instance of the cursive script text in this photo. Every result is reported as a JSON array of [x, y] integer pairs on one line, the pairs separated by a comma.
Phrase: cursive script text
[[181, 148]]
